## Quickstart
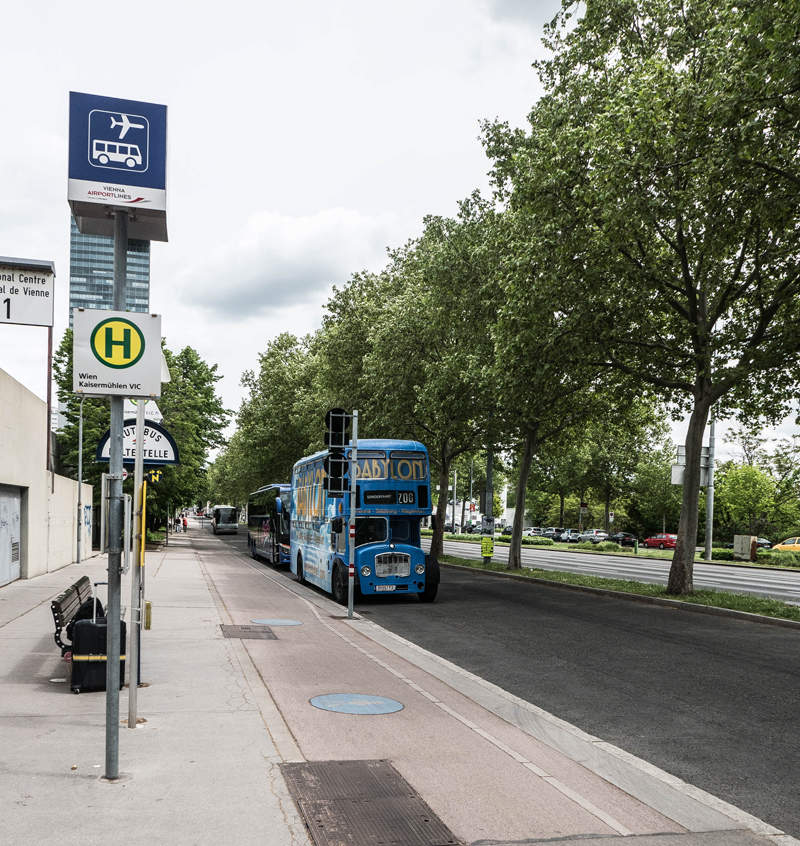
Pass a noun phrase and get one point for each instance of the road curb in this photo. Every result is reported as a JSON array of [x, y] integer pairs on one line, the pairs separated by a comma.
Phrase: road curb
[[745, 616]]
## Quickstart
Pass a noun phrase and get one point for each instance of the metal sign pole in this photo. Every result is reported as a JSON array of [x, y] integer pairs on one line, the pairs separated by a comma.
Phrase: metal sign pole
[[115, 519], [351, 578], [80, 479], [103, 510], [50, 400], [136, 581]]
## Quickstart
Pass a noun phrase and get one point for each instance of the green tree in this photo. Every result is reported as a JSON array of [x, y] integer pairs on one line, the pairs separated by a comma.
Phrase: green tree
[[655, 161], [654, 504], [196, 418], [431, 348], [747, 494]]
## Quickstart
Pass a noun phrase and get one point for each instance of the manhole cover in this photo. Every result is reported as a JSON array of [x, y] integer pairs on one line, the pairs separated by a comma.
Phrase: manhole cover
[[277, 622], [248, 632], [362, 802], [356, 703]]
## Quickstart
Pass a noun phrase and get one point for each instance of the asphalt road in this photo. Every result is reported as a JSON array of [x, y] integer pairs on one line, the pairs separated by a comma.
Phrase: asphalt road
[[711, 700]]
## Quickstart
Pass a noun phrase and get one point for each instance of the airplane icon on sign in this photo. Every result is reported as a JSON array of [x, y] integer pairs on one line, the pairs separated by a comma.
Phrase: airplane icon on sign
[[125, 124]]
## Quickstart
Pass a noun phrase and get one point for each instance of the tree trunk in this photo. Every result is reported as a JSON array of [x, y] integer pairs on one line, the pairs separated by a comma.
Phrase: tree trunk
[[681, 572], [463, 510], [515, 550], [608, 509], [562, 498], [437, 541]]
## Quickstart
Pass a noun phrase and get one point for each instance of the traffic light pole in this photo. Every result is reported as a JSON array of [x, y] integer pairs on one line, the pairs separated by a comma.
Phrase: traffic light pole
[[351, 570]]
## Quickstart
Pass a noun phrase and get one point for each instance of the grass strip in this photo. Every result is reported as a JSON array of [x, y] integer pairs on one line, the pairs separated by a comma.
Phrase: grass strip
[[715, 598]]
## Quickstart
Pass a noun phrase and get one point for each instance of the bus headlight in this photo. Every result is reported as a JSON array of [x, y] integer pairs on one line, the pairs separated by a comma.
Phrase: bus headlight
[[365, 571], [419, 569]]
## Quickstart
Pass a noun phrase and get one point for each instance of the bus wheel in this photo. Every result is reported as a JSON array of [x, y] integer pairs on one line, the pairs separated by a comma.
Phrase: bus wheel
[[429, 594], [338, 586], [300, 577]]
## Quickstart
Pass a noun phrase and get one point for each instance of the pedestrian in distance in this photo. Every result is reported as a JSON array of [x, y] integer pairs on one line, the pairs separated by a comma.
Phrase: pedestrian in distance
[[185, 525]]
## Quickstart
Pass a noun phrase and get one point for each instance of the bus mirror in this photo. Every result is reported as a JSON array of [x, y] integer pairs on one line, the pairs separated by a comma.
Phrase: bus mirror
[[337, 525]]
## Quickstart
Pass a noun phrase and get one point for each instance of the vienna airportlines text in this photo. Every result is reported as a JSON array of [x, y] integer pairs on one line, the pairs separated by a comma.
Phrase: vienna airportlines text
[[110, 191]]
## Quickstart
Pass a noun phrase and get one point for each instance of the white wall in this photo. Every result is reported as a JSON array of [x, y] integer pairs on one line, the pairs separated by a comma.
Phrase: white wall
[[49, 502], [62, 529]]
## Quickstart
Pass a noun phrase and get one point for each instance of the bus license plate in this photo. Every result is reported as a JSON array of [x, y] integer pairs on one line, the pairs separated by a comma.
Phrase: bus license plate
[[384, 587]]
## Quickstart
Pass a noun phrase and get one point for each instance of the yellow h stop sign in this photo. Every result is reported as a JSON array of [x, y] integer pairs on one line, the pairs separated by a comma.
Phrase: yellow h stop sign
[[117, 343]]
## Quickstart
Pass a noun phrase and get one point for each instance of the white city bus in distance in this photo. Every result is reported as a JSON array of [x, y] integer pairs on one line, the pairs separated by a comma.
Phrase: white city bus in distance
[[111, 151], [225, 520]]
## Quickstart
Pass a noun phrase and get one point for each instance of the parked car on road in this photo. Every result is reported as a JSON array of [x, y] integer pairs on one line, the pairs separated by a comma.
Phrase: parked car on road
[[661, 541], [507, 530], [788, 545], [593, 536], [571, 536], [761, 543], [531, 531], [552, 531], [623, 538]]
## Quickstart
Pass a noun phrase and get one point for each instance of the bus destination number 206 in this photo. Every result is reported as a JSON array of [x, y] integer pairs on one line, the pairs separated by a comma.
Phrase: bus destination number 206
[[388, 497]]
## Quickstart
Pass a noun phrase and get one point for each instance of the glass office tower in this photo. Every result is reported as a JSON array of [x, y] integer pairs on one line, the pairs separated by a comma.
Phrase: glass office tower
[[91, 272]]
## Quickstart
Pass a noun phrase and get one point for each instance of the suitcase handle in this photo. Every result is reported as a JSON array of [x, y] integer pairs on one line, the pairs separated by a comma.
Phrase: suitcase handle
[[94, 597]]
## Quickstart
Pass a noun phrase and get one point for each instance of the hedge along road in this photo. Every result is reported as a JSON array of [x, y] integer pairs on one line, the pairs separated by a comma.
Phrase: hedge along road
[[709, 699], [774, 583]]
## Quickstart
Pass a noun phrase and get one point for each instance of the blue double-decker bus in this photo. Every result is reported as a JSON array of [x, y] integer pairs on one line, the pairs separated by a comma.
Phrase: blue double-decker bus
[[393, 494], [268, 520]]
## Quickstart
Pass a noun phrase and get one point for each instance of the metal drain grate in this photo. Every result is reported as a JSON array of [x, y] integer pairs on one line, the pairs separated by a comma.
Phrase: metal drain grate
[[362, 803], [248, 632]]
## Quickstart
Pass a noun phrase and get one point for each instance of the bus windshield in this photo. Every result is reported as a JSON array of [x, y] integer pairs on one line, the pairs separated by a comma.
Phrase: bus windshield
[[370, 530]]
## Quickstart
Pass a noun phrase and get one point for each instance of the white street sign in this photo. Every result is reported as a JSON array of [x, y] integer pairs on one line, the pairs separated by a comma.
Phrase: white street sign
[[151, 410], [158, 447], [116, 353], [26, 292]]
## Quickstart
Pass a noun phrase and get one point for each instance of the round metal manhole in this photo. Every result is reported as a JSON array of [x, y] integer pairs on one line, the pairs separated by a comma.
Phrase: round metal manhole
[[277, 622], [356, 703]]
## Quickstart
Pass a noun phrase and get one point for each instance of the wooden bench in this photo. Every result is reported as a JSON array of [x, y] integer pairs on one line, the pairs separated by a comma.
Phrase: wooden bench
[[66, 605]]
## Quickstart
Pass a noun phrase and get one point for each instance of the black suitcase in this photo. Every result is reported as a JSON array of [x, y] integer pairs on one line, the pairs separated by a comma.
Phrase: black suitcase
[[89, 655]]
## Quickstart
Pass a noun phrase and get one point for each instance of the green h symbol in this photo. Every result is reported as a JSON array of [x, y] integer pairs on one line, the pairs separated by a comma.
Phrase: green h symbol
[[125, 343]]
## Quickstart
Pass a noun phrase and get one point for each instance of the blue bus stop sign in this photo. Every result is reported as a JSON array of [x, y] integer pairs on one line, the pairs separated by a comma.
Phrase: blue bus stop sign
[[118, 159]]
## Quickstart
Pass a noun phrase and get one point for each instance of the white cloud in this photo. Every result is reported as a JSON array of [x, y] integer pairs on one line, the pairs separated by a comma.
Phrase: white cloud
[[279, 261]]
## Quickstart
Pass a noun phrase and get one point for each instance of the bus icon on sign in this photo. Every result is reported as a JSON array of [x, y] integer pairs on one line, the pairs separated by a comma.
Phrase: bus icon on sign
[[118, 141]]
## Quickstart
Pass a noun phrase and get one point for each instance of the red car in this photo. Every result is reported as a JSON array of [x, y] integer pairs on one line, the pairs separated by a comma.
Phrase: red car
[[660, 542]]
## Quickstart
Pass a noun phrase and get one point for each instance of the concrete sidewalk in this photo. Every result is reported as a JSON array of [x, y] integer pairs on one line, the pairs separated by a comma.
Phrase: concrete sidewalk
[[223, 714]]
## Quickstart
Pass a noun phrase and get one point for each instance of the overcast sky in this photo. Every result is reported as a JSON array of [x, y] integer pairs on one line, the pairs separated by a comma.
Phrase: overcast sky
[[304, 139]]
